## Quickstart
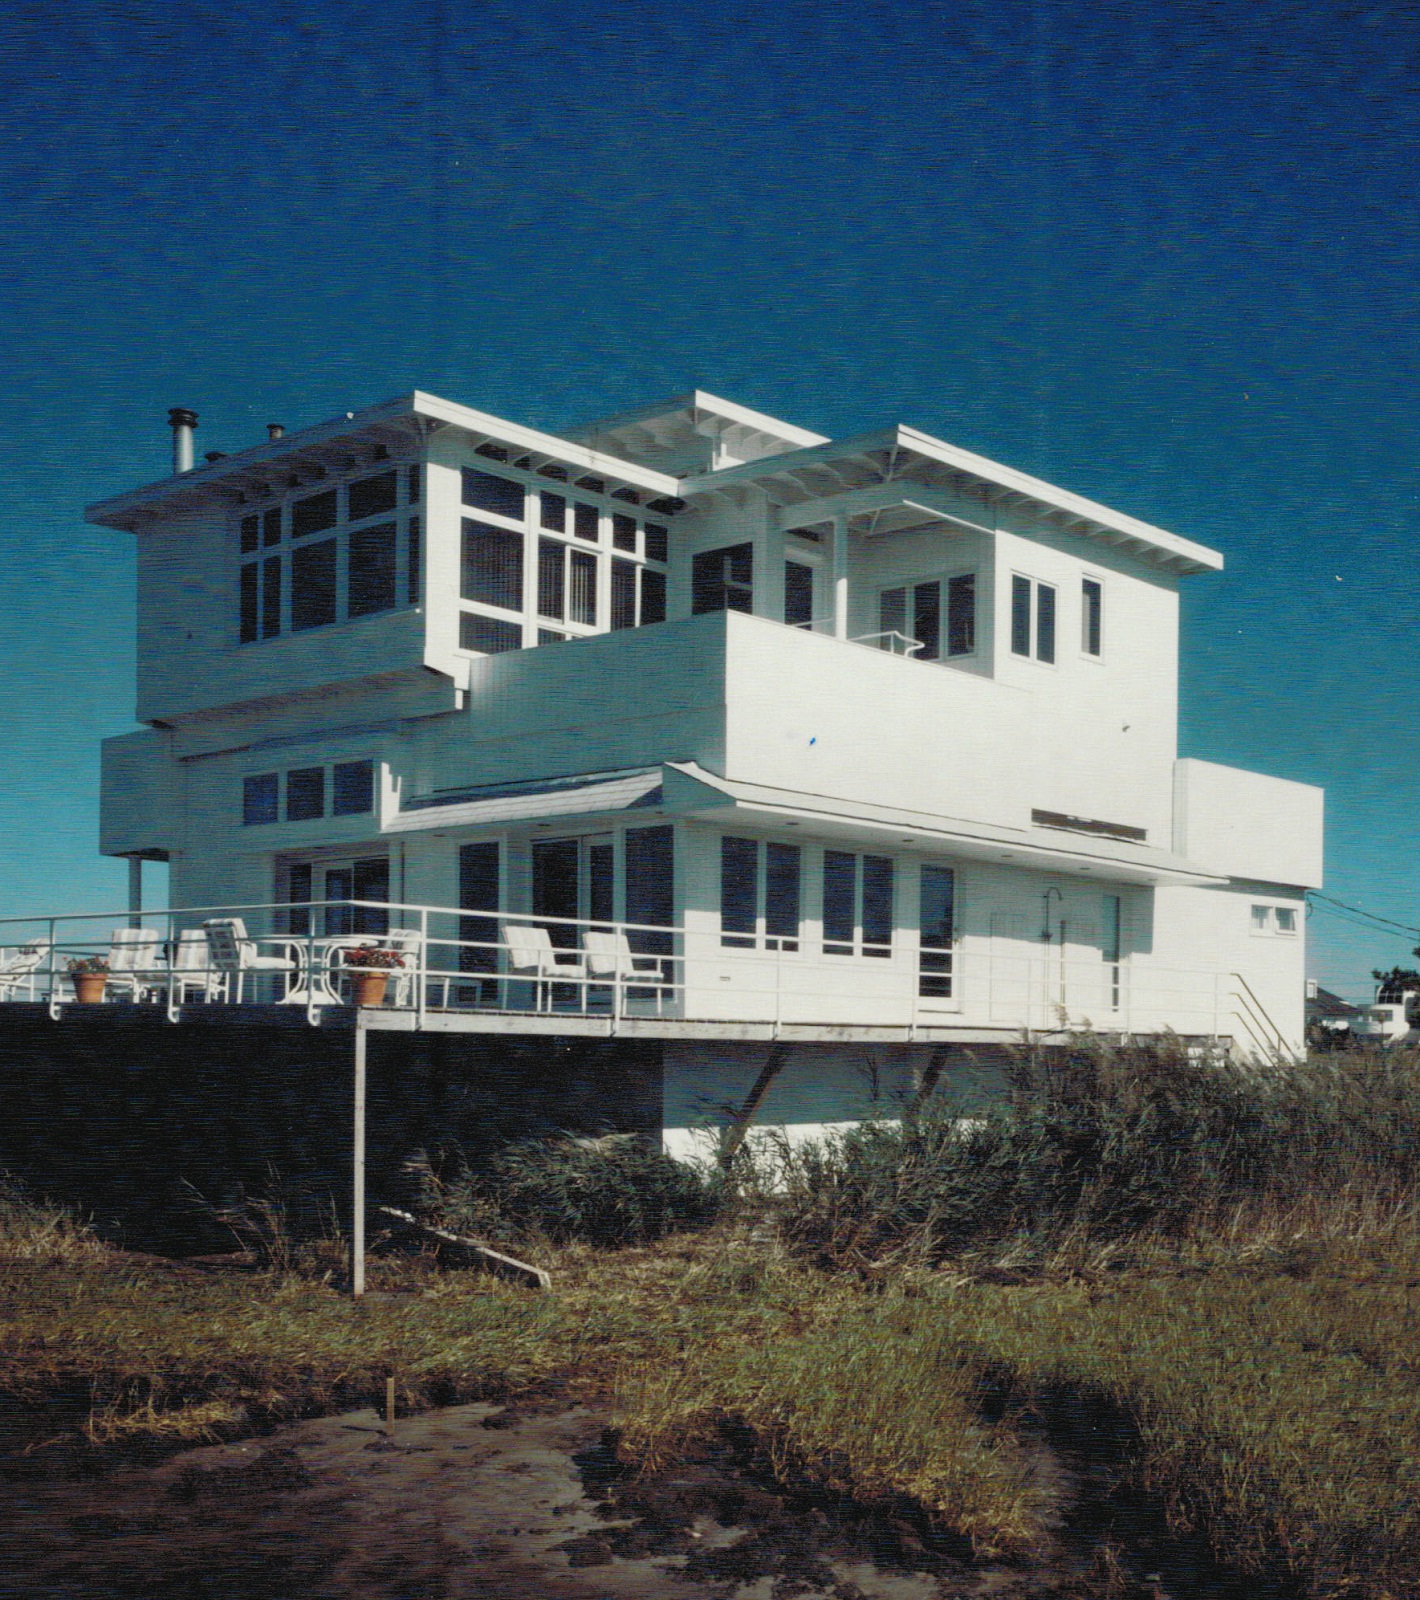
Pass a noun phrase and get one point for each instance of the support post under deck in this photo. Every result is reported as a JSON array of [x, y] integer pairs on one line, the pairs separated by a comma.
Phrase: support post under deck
[[357, 1173]]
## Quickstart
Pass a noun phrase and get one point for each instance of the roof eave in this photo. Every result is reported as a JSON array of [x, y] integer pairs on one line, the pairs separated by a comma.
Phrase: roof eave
[[1093, 519], [126, 510]]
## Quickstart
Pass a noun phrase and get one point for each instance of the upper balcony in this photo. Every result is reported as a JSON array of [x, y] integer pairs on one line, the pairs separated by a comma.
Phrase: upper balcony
[[853, 726]]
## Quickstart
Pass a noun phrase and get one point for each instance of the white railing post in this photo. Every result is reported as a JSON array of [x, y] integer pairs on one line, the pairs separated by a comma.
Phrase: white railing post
[[421, 963], [53, 970]]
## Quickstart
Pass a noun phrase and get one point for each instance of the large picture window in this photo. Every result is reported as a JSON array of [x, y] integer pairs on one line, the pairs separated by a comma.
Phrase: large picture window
[[319, 559], [492, 565], [575, 590]]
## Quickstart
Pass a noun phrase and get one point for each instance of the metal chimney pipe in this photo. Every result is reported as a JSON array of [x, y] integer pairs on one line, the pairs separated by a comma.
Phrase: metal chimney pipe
[[274, 430], [182, 422]]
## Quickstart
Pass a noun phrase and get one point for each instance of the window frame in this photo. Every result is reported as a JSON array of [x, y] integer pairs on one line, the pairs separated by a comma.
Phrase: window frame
[[597, 530], [1091, 617], [755, 895], [944, 583], [1037, 609], [840, 942], [327, 771], [267, 547]]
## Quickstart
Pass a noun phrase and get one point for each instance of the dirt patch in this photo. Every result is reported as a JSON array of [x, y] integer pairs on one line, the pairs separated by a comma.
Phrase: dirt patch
[[482, 1501]]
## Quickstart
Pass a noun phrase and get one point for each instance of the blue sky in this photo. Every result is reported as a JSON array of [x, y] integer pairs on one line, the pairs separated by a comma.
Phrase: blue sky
[[1164, 255]]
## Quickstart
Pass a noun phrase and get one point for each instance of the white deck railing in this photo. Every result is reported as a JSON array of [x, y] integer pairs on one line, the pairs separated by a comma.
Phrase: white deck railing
[[464, 961]]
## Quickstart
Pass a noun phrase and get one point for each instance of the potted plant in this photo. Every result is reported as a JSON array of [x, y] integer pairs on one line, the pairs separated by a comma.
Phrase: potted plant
[[89, 975], [369, 966]]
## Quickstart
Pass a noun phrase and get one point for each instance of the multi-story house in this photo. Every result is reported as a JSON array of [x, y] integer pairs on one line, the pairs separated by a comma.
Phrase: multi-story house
[[863, 745]]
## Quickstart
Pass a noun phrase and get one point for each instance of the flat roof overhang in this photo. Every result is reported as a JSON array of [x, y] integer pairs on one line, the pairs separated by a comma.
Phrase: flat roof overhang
[[694, 793], [357, 440], [683, 790], [671, 426], [810, 485]]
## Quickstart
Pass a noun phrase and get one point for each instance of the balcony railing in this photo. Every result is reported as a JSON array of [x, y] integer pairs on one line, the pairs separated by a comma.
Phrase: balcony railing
[[447, 960]]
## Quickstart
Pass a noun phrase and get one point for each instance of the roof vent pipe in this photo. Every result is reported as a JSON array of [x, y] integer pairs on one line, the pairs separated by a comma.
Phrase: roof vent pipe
[[182, 422], [275, 430]]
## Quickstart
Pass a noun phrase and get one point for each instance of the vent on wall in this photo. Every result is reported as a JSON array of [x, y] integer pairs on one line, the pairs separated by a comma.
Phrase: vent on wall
[[1111, 830]]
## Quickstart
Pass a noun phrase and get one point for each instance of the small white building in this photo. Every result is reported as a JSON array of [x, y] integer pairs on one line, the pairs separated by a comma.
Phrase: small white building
[[868, 746]]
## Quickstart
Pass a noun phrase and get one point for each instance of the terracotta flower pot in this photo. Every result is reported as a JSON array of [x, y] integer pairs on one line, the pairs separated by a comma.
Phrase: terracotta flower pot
[[89, 987], [368, 988]]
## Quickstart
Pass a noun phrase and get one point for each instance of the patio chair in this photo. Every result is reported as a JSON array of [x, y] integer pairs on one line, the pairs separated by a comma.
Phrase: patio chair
[[531, 954], [610, 959], [18, 969], [234, 953], [136, 969], [191, 969]]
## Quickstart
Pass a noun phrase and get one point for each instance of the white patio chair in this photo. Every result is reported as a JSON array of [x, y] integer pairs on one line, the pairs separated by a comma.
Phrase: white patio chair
[[610, 959], [190, 968], [531, 954], [18, 969], [135, 966], [234, 953]]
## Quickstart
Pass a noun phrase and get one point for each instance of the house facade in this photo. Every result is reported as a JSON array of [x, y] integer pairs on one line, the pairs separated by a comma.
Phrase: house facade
[[864, 746]]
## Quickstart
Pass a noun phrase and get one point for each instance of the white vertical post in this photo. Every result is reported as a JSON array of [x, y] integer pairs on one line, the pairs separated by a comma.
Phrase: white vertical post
[[840, 577], [135, 891], [357, 1175]]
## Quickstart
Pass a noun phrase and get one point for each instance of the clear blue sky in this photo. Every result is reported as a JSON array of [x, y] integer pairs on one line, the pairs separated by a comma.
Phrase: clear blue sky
[[1162, 254]]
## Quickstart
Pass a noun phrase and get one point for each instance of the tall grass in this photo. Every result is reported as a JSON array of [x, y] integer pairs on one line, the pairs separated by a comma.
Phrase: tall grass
[[1101, 1144], [32, 1230], [610, 1191]]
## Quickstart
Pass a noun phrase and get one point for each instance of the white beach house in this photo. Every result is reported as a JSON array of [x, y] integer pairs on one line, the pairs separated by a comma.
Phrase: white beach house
[[697, 726]]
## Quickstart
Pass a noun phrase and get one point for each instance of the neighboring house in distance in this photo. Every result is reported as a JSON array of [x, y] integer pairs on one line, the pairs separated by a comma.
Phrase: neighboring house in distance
[[867, 745], [1328, 1013]]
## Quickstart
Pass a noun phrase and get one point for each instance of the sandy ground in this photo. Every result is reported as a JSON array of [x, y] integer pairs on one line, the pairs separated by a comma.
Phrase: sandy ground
[[498, 1504], [469, 1501]]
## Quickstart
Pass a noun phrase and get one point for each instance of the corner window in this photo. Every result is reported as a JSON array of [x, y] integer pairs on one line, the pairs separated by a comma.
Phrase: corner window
[[723, 580], [1091, 616], [290, 581], [1032, 619], [260, 798]]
